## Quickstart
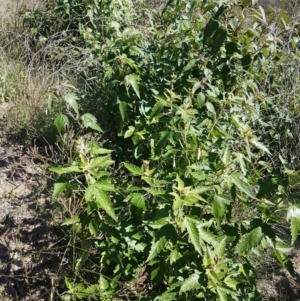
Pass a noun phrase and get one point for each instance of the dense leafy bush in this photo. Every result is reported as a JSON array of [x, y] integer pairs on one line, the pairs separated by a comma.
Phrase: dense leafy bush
[[188, 176]]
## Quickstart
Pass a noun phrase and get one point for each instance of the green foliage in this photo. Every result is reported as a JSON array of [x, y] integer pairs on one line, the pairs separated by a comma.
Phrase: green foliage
[[189, 142]]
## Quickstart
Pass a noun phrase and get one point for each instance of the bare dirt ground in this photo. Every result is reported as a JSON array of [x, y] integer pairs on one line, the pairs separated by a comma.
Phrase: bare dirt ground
[[29, 258], [278, 285]]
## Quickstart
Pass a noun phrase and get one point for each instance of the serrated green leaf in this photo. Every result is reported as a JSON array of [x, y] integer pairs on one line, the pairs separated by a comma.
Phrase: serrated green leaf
[[177, 203], [286, 263], [293, 215], [223, 198], [59, 188], [102, 174], [282, 247], [180, 183], [155, 191], [228, 291], [218, 209], [105, 185], [191, 227], [220, 248], [174, 256], [62, 170], [139, 201], [156, 248], [94, 194], [281, 257], [60, 122], [133, 81], [208, 258], [104, 202], [167, 296], [241, 159], [236, 179], [190, 283], [231, 282], [71, 100], [295, 228], [259, 145], [103, 161], [91, 289], [249, 240], [213, 277], [236, 120], [90, 121], [99, 151], [134, 169], [96, 149], [222, 295], [127, 60], [207, 236], [159, 223], [199, 176]]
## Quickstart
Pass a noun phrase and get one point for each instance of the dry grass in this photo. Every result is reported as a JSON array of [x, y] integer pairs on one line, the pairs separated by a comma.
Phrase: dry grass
[[9, 11], [23, 82]]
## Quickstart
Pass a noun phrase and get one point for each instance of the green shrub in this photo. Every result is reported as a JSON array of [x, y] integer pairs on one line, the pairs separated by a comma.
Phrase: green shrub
[[186, 176]]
